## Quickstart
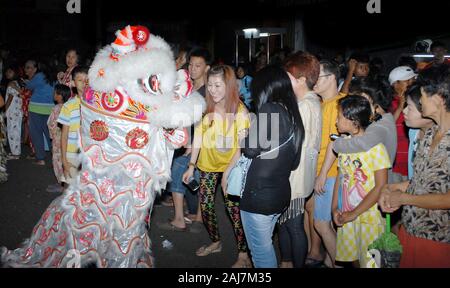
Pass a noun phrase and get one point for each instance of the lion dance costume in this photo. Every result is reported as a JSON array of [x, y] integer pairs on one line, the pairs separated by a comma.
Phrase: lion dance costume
[[132, 118]]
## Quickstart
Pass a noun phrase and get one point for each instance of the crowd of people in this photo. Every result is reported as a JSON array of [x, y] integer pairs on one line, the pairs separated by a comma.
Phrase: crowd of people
[[42, 111], [333, 149]]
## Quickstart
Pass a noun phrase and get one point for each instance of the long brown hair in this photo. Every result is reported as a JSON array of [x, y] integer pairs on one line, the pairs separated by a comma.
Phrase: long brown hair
[[232, 100]]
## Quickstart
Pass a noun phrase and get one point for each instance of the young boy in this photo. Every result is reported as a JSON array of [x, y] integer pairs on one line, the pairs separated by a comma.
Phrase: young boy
[[199, 64], [326, 87], [358, 67], [70, 120]]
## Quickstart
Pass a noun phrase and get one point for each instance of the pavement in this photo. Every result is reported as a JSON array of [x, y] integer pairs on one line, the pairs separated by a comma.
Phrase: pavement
[[23, 199]]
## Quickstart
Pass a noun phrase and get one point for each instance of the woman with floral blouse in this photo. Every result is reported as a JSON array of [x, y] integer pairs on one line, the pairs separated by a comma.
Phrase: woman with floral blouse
[[425, 231]]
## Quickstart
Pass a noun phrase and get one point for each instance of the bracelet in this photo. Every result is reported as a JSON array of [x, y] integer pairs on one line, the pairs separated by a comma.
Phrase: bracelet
[[192, 164]]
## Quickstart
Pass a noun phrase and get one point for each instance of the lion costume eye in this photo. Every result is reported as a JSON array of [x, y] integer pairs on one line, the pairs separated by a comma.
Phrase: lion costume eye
[[150, 85]]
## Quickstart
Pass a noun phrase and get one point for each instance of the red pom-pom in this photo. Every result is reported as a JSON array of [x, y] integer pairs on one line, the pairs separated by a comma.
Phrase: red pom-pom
[[141, 35]]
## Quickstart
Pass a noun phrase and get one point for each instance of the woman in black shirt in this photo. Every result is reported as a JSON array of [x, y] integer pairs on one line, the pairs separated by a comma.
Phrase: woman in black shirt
[[274, 143]]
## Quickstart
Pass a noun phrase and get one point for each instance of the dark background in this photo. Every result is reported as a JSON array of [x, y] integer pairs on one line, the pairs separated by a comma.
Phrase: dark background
[[44, 26]]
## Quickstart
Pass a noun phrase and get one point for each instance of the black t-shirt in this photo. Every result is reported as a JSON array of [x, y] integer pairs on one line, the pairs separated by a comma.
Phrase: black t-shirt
[[267, 189], [202, 91]]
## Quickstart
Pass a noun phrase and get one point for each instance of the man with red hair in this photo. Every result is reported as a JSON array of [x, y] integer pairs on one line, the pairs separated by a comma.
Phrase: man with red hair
[[303, 69]]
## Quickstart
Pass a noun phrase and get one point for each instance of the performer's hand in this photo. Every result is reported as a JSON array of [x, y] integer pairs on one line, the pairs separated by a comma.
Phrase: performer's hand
[[176, 137]]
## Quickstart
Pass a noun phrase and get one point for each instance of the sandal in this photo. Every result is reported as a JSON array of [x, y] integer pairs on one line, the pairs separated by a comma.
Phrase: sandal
[[313, 263], [206, 250], [170, 227], [187, 220]]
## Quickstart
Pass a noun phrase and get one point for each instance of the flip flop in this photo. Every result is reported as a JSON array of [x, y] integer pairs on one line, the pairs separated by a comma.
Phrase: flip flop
[[170, 227], [186, 220]]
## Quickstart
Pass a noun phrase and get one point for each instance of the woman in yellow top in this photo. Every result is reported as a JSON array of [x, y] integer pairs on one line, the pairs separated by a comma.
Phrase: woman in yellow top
[[216, 145]]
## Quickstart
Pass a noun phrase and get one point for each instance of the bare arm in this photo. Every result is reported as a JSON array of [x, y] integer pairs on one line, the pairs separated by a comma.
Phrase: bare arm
[[334, 204], [402, 186], [8, 101], [374, 134], [64, 140], [330, 157], [187, 152], [429, 201], [401, 106], [392, 200], [195, 151], [348, 79]]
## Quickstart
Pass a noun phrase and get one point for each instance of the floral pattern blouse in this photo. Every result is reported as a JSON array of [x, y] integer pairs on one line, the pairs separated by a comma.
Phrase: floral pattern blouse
[[55, 135], [431, 176]]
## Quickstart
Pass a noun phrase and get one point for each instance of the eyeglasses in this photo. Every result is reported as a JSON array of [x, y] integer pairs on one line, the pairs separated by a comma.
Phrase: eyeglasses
[[325, 75]]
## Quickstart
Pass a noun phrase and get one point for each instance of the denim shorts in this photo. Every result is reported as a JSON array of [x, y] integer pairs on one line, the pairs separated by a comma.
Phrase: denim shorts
[[179, 166], [322, 203]]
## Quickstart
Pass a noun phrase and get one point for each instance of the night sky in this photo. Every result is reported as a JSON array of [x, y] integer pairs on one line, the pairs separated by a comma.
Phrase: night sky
[[44, 25]]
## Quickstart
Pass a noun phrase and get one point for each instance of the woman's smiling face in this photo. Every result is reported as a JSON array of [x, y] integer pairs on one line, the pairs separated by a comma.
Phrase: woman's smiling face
[[217, 88]]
